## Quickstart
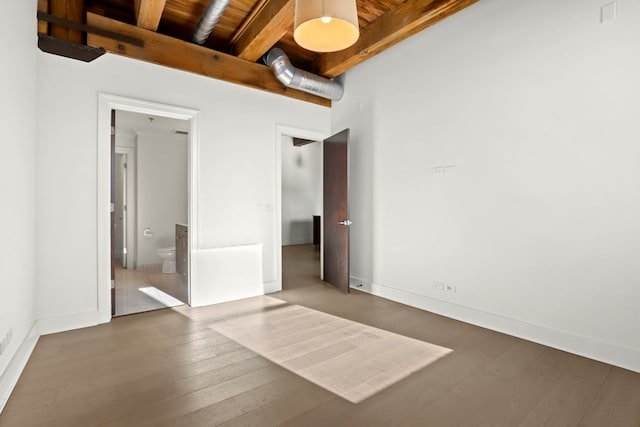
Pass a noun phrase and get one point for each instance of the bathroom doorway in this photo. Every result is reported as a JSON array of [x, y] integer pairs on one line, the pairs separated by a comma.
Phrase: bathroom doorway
[[151, 212]]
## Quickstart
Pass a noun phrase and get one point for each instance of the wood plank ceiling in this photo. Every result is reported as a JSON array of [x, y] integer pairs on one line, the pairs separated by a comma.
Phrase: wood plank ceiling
[[244, 33]]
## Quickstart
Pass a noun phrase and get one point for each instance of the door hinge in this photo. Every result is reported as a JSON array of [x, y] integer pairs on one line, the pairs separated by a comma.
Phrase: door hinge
[[125, 166], [113, 130], [112, 207]]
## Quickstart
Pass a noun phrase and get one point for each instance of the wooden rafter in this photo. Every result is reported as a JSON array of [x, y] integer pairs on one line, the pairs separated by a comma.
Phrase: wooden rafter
[[273, 20], [43, 6], [175, 53], [148, 13], [246, 33], [396, 25], [72, 10]]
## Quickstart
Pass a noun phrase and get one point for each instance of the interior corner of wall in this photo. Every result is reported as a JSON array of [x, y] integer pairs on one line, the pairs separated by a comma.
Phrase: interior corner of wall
[[9, 377]]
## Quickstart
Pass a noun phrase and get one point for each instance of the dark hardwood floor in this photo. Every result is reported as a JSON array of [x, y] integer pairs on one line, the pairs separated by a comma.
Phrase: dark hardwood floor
[[168, 368]]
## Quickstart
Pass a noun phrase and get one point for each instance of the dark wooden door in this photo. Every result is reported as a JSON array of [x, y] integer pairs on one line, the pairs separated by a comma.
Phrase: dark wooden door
[[113, 212], [336, 210]]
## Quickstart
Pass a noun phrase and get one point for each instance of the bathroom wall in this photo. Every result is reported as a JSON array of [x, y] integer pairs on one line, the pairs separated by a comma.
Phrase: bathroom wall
[[118, 237], [162, 192], [301, 190], [126, 145]]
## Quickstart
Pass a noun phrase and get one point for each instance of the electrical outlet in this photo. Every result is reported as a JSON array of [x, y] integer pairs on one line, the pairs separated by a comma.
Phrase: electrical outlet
[[449, 170], [438, 285], [450, 288]]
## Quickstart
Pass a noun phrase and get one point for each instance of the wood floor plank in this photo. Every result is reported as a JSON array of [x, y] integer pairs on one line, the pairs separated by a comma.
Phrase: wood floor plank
[[569, 399], [126, 397], [509, 364], [399, 400], [314, 357], [167, 409], [618, 401], [244, 403], [133, 360], [476, 392], [510, 402], [297, 345], [281, 409]]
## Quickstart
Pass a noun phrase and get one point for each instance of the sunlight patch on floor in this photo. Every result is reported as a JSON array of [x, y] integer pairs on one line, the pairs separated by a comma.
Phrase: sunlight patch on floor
[[162, 297], [350, 359]]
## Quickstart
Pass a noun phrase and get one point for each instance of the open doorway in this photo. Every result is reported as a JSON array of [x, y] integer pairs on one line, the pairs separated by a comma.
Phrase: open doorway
[[334, 224], [301, 209], [150, 218]]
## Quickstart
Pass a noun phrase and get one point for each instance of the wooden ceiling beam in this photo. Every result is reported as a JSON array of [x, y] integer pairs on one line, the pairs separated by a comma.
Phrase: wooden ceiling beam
[[396, 25], [71, 10], [268, 26], [175, 53], [148, 13], [43, 6]]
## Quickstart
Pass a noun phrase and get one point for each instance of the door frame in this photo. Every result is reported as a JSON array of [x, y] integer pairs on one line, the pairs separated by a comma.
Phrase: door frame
[[106, 103], [281, 131]]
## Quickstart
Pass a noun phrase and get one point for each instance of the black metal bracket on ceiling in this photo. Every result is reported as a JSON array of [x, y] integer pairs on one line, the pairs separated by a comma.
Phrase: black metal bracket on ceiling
[[73, 50]]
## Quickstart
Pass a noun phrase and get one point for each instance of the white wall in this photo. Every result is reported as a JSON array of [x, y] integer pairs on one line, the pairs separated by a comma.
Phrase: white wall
[[17, 181], [301, 190], [162, 192], [236, 164], [538, 105]]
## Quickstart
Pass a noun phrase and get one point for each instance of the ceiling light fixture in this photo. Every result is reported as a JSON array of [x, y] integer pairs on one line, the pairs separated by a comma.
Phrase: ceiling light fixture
[[326, 25]]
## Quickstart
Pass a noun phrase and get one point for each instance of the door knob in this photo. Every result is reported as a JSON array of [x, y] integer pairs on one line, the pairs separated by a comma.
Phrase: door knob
[[345, 222]]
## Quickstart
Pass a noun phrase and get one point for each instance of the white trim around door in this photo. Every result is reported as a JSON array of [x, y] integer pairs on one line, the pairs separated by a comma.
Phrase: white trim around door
[[106, 103]]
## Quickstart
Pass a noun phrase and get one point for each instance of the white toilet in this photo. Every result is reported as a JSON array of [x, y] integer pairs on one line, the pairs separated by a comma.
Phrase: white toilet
[[168, 256]]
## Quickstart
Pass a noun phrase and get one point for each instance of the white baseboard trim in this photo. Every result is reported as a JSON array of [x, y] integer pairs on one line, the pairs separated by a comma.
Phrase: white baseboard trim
[[11, 374], [605, 352], [68, 322], [271, 287]]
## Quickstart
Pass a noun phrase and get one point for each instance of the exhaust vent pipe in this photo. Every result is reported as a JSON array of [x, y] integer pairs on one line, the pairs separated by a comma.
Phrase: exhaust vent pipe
[[210, 17], [295, 78]]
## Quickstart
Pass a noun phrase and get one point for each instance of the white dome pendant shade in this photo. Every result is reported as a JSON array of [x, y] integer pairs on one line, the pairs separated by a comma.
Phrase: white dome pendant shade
[[326, 25]]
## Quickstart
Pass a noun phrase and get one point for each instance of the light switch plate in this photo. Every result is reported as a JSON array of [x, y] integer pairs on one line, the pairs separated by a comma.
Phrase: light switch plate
[[608, 12]]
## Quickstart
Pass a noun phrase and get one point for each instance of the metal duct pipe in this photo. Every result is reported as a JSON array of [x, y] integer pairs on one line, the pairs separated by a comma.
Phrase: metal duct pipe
[[296, 78], [209, 19]]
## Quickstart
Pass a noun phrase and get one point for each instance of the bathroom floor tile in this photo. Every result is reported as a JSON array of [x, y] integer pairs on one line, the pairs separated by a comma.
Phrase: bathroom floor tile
[[147, 289]]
